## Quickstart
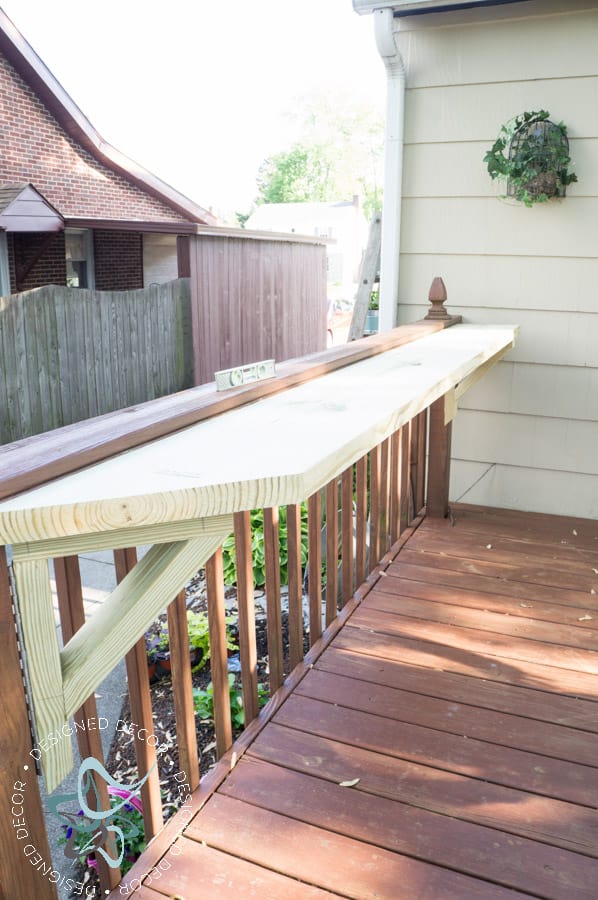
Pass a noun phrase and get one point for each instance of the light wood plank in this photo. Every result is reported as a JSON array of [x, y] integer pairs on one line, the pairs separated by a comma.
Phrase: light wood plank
[[134, 536], [350, 410], [127, 613], [42, 657]]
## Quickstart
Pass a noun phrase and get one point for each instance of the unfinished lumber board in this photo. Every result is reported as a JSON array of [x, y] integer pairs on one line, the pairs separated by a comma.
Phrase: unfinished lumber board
[[42, 659], [200, 472], [134, 536], [126, 614], [27, 463], [19, 882]]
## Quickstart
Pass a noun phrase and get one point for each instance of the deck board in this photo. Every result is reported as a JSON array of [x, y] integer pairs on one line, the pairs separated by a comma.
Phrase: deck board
[[463, 695]]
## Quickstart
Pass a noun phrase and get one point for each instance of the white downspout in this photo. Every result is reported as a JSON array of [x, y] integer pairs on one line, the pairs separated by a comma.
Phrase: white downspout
[[393, 167]]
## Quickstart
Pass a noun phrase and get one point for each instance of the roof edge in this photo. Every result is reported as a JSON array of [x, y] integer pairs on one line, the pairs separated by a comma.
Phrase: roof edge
[[34, 71], [421, 7]]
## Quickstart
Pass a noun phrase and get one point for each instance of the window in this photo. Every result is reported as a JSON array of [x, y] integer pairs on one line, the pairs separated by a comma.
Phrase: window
[[79, 258]]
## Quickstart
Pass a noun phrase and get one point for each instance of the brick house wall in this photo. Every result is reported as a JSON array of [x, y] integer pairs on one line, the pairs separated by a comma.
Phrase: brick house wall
[[50, 268], [118, 257], [34, 148]]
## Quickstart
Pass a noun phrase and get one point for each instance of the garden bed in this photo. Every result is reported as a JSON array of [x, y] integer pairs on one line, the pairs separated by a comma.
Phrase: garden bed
[[121, 762]]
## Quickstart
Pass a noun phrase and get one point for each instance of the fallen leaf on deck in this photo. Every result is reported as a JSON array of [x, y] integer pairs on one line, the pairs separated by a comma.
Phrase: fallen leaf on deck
[[349, 783], [488, 546], [574, 532], [585, 619]]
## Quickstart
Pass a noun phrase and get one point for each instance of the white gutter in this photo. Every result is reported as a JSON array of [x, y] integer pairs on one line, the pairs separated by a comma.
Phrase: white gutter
[[393, 168]]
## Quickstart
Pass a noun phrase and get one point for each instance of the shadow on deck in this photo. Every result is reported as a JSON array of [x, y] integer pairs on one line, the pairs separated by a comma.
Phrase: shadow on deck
[[443, 745]]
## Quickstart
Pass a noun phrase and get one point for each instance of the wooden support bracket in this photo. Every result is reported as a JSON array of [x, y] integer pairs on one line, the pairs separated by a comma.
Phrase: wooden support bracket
[[62, 680]]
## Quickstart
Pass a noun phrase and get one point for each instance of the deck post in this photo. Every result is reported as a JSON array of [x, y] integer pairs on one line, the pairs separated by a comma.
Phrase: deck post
[[439, 464], [19, 793]]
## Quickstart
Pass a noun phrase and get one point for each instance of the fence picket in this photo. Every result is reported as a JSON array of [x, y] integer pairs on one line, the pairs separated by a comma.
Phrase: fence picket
[[67, 354]]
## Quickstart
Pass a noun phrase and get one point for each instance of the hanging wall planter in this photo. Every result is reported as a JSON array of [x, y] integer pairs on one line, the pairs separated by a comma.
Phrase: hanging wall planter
[[532, 154]]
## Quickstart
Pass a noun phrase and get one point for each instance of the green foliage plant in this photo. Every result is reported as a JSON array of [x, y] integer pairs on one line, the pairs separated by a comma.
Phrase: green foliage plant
[[203, 701], [538, 166], [199, 635], [258, 549], [374, 300]]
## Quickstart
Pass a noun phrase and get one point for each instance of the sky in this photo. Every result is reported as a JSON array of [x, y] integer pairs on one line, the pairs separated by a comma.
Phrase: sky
[[200, 91]]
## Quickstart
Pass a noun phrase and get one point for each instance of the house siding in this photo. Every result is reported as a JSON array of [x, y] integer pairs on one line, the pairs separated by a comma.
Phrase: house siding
[[525, 436], [34, 148]]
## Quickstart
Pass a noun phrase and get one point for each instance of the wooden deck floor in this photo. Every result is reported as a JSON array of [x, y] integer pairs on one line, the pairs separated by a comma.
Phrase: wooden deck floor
[[461, 701]]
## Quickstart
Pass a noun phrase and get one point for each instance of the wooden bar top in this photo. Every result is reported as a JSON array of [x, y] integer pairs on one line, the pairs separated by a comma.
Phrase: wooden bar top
[[275, 451]]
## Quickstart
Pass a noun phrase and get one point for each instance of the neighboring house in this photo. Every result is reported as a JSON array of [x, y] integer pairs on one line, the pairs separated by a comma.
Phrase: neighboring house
[[526, 436], [73, 210], [342, 223]]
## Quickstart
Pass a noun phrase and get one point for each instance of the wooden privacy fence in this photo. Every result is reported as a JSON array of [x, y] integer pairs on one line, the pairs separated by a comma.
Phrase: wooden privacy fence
[[68, 354], [352, 443], [254, 296]]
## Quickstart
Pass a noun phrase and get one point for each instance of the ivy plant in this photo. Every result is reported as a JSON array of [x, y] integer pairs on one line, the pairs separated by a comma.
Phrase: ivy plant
[[534, 161]]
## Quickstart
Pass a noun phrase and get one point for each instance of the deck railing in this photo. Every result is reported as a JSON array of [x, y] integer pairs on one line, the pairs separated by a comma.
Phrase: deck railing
[[358, 506]]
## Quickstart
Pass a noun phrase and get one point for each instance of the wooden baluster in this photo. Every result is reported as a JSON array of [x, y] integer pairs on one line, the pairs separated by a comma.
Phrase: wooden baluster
[[89, 741], [418, 460], [19, 879], [331, 550], [439, 462], [295, 572], [361, 519], [384, 499], [314, 566], [274, 621], [218, 653], [405, 471], [182, 689], [246, 605], [395, 485], [141, 713], [375, 480], [347, 534]]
